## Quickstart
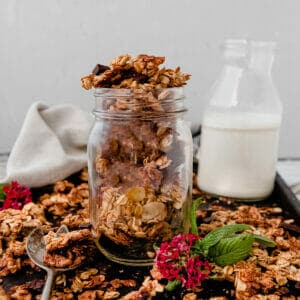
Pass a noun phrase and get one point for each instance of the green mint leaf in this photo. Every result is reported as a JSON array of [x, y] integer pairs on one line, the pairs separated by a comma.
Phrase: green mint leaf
[[193, 219], [172, 285], [232, 249], [213, 237], [2, 194], [264, 240]]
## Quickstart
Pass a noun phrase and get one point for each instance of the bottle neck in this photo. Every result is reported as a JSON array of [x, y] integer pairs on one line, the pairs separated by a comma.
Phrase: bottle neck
[[250, 55], [245, 83], [261, 61]]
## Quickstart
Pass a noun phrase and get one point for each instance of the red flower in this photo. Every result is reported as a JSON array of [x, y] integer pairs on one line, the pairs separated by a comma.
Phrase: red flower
[[175, 261], [16, 195], [197, 271]]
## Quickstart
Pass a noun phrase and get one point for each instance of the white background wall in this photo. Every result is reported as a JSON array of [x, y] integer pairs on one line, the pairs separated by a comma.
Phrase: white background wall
[[46, 46]]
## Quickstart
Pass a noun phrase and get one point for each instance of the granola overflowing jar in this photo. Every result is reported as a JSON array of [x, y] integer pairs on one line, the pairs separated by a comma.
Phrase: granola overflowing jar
[[140, 171]]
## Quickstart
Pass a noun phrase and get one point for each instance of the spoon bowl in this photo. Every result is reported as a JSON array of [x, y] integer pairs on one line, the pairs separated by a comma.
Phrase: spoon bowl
[[36, 250]]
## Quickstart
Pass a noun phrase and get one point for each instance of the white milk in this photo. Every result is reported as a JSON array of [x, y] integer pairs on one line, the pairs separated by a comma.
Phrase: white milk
[[238, 154]]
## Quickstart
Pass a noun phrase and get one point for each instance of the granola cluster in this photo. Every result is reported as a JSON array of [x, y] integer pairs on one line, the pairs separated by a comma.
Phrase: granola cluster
[[266, 274], [140, 72], [66, 249], [15, 225]]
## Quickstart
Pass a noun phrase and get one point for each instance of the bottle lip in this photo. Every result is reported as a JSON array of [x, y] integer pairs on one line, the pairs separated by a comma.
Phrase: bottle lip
[[249, 42], [272, 45], [242, 47]]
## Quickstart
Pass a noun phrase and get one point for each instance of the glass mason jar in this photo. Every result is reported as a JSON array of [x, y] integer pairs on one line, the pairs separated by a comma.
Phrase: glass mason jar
[[140, 172], [240, 126]]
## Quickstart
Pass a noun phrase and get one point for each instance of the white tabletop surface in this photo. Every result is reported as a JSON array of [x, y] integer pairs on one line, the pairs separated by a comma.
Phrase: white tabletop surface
[[289, 169]]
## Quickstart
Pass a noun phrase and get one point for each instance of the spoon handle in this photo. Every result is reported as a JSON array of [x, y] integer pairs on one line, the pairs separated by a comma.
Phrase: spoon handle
[[48, 285]]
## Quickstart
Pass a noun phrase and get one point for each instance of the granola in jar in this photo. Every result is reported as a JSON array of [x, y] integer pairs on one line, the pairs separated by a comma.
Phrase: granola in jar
[[140, 157]]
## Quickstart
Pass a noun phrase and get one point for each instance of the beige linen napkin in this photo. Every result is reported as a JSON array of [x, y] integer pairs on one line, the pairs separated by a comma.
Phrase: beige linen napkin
[[51, 145]]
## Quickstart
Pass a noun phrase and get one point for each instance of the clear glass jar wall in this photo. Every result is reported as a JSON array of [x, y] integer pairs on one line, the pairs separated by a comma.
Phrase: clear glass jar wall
[[140, 172]]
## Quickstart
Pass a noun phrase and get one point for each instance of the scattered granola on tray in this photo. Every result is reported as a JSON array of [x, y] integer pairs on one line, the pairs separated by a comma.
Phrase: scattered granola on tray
[[268, 273]]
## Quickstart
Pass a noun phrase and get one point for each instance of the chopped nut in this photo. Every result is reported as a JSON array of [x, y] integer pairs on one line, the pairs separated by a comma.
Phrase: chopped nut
[[88, 295], [166, 143], [61, 279], [87, 81], [122, 61], [136, 194], [154, 212], [111, 295], [21, 293], [163, 162], [190, 296], [150, 254], [101, 165], [87, 274]]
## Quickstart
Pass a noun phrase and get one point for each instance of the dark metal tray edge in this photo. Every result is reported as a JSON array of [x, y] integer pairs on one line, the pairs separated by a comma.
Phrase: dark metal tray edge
[[286, 198], [282, 194]]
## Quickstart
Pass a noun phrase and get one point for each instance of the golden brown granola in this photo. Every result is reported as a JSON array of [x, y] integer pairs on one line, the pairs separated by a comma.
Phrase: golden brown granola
[[140, 72], [135, 160], [148, 290], [190, 296], [59, 254]]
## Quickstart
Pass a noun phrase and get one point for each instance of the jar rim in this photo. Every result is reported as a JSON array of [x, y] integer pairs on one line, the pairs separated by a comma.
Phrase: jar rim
[[129, 92], [155, 102]]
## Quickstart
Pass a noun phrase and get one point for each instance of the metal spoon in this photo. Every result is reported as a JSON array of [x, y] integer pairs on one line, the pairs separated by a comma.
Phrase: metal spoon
[[36, 250]]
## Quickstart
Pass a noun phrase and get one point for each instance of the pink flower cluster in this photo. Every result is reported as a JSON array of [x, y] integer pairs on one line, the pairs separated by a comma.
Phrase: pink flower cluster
[[16, 195], [175, 261]]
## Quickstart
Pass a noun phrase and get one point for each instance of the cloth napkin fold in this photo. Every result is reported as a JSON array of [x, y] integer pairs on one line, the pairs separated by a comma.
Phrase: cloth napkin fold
[[51, 145]]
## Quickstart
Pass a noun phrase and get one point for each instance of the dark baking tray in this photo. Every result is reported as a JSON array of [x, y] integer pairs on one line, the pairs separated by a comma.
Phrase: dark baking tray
[[286, 199], [282, 196]]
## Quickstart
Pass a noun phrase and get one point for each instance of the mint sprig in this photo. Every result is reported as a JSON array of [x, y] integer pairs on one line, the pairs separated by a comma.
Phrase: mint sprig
[[213, 237], [263, 240], [193, 219], [228, 244], [232, 249]]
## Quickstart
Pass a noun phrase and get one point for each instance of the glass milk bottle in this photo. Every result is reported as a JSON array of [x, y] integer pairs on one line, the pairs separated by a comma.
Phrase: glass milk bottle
[[240, 127]]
